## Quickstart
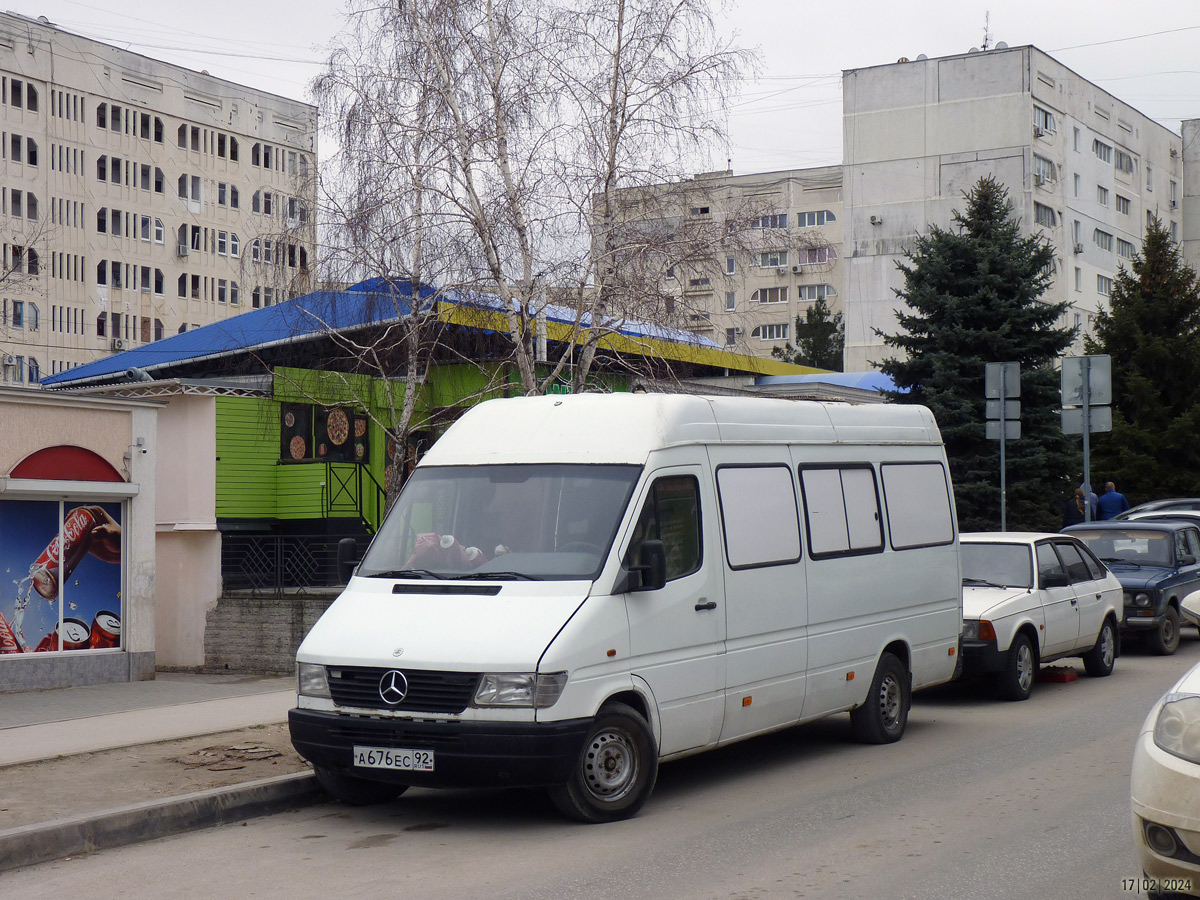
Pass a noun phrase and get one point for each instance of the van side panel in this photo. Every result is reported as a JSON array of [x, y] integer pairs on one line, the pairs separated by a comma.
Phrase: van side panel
[[765, 605]]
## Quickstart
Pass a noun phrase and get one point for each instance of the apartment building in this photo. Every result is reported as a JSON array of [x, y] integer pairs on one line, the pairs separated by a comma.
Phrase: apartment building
[[1081, 166], [139, 199], [754, 251]]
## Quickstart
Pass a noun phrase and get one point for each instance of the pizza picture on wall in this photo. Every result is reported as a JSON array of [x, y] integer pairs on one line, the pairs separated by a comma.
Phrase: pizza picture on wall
[[338, 426], [298, 447]]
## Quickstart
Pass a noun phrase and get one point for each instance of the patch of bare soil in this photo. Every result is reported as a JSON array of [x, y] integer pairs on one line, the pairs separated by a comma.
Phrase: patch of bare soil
[[68, 786]]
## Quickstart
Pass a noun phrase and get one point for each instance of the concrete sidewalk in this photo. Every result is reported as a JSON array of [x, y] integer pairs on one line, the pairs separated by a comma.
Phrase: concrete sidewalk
[[42, 725]]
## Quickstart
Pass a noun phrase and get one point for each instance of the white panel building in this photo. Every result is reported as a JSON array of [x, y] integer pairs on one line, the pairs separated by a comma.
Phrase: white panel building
[[139, 199], [1080, 165]]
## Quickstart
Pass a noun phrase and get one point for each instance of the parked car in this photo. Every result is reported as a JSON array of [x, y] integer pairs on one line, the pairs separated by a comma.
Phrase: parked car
[[1163, 789], [1029, 599], [1156, 561], [1160, 506]]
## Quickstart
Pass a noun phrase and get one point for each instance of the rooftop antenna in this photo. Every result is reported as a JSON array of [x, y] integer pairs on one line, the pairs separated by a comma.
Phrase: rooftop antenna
[[987, 34]]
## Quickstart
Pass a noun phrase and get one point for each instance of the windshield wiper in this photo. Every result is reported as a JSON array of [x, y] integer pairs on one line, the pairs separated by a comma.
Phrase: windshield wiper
[[404, 573], [496, 576], [1121, 561], [982, 582]]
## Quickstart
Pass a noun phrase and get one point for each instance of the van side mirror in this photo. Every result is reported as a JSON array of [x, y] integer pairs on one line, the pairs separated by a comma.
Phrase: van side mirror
[[347, 550], [1055, 579], [652, 566]]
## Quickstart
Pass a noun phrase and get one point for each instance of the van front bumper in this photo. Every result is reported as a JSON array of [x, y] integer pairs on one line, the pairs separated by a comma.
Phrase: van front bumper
[[466, 754]]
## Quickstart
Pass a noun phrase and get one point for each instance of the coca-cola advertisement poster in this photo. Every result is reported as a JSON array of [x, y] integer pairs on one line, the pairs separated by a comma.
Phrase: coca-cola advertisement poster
[[60, 576]]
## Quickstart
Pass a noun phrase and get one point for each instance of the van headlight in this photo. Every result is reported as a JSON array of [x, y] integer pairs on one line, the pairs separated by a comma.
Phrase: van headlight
[[1177, 728], [527, 689], [311, 681]]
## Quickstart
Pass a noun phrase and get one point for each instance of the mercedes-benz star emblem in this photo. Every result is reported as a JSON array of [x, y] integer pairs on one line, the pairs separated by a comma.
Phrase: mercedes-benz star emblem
[[392, 687]]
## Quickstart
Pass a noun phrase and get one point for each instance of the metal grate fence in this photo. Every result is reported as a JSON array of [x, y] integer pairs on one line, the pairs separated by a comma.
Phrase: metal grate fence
[[278, 564]]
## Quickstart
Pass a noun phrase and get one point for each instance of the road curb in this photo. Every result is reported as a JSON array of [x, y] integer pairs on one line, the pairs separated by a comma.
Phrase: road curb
[[28, 845]]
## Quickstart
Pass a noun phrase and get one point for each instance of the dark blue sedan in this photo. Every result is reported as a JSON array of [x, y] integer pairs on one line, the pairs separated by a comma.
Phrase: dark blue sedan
[[1157, 563]]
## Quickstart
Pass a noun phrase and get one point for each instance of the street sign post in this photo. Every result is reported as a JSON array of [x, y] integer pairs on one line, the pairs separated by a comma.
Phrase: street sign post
[[1086, 395], [1002, 383]]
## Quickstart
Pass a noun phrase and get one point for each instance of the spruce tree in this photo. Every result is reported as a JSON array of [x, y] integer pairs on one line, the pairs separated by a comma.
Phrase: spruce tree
[[820, 339], [1152, 332], [972, 295]]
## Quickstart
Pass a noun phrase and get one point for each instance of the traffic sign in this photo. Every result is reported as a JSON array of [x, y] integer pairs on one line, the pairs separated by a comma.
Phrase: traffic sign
[[995, 373], [1099, 419], [1012, 429], [1012, 409], [1099, 380]]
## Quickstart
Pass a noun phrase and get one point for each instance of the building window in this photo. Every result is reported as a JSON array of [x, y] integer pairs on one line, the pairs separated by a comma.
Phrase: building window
[[815, 291], [1122, 205], [773, 259], [731, 336], [813, 219], [1076, 144], [730, 301], [1043, 120], [1103, 151], [1078, 278], [233, 197], [730, 265], [777, 332], [1044, 171], [778, 220], [1103, 239], [770, 295], [222, 243], [158, 231], [1104, 285], [814, 255], [1044, 215], [1125, 249], [1123, 162], [18, 314], [1102, 195], [101, 324], [1077, 183], [234, 244]]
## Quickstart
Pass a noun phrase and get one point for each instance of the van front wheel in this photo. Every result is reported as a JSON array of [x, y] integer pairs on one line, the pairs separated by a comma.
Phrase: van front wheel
[[616, 769], [884, 715]]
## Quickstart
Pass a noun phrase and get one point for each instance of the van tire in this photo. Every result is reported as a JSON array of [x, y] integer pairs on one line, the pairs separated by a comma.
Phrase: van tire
[[616, 769], [1098, 662], [884, 715], [356, 791], [1165, 639], [1015, 681]]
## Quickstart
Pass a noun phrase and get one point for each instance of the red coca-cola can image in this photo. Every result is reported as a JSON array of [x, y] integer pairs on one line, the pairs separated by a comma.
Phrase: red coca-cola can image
[[106, 630], [52, 566], [8, 640], [76, 636]]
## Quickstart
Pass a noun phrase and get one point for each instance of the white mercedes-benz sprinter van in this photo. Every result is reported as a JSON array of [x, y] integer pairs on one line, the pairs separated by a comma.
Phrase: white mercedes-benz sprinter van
[[570, 590]]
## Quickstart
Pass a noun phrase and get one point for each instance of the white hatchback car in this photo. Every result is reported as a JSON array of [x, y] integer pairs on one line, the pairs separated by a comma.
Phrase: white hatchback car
[[1032, 598], [1164, 788]]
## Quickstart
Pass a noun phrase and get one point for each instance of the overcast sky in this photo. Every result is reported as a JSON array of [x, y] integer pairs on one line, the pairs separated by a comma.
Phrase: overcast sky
[[1143, 52]]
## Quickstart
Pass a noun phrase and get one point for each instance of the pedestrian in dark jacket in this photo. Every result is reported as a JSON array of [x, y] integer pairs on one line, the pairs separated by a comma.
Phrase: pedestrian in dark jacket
[[1073, 508], [1111, 503]]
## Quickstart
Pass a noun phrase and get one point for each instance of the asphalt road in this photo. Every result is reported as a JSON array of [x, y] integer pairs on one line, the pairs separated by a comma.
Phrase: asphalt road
[[981, 799]]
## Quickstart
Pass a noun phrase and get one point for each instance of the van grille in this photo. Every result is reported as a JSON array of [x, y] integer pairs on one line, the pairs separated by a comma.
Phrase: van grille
[[428, 691]]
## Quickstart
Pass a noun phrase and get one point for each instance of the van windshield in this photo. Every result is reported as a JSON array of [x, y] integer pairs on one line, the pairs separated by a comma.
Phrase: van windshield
[[545, 522]]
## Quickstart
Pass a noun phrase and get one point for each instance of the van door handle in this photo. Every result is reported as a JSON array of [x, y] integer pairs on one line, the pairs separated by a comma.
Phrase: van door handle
[[703, 605]]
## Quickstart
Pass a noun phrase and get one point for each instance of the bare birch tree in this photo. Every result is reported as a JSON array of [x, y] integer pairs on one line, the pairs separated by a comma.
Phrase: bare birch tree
[[492, 137]]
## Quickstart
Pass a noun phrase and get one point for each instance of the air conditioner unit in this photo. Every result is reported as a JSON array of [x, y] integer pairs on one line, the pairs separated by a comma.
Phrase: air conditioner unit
[[1079, 248], [183, 250], [118, 344], [1040, 180], [1174, 204], [796, 270], [876, 220], [781, 271], [9, 359], [1174, 152], [1038, 132]]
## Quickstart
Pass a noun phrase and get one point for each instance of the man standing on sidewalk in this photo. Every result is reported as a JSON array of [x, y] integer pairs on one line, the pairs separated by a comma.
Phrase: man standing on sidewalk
[[1111, 503]]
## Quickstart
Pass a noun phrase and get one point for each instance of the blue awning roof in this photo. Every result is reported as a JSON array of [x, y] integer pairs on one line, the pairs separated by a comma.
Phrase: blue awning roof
[[863, 381], [371, 302]]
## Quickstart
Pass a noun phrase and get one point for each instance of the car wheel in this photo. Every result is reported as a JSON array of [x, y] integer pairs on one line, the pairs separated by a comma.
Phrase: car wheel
[[1165, 640], [884, 716], [1098, 661], [616, 769], [356, 791], [1020, 670]]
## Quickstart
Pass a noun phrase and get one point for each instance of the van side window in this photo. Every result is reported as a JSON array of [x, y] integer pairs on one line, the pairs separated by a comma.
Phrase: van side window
[[841, 509], [671, 515], [917, 498], [758, 515]]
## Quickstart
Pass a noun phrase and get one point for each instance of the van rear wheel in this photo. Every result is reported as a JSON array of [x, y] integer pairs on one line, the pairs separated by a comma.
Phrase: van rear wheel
[[616, 769], [356, 791], [884, 715]]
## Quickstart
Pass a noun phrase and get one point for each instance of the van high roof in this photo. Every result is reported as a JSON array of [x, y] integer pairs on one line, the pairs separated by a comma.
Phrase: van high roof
[[626, 428]]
